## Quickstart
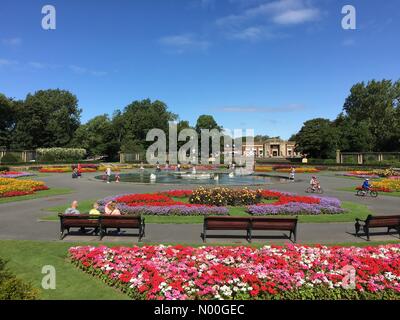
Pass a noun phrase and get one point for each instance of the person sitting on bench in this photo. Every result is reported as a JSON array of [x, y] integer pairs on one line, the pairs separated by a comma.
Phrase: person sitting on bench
[[112, 210], [74, 210]]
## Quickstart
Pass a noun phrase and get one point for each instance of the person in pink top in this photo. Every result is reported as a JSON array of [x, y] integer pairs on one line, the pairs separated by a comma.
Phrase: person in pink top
[[112, 209]]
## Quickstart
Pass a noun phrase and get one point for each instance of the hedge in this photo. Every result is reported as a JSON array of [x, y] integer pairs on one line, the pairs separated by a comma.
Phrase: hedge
[[60, 154]]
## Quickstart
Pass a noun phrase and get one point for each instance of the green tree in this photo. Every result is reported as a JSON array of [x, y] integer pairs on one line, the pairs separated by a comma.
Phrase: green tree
[[376, 104], [7, 120], [353, 136], [141, 116], [46, 119], [97, 137], [207, 122], [318, 138]]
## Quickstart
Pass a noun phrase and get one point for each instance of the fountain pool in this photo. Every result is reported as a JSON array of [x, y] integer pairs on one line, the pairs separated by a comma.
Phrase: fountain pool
[[203, 178]]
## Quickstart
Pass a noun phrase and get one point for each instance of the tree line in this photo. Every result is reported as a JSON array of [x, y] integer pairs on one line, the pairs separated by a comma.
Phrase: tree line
[[369, 122], [52, 118]]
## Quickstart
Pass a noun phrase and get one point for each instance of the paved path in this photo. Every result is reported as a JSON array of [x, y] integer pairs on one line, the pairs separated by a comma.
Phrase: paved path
[[21, 220]]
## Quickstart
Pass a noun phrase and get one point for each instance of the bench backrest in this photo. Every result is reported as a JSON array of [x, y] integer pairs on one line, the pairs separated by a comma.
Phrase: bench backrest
[[377, 221], [78, 220], [120, 221], [108, 221], [260, 223], [227, 223]]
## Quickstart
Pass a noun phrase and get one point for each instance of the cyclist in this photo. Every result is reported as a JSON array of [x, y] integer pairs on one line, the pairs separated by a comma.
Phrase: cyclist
[[314, 183], [365, 186]]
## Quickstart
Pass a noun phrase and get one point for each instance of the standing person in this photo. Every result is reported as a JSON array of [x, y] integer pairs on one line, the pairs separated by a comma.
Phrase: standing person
[[178, 167], [141, 166], [117, 178], [108, 174], [79, 170], [292, 173]]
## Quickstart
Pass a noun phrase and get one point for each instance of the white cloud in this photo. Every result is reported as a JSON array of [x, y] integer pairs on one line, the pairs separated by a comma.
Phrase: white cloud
[[297, 16], [184, 42], [267, 16], [7, 62], [12, 42], [37, 65], [82, 70]]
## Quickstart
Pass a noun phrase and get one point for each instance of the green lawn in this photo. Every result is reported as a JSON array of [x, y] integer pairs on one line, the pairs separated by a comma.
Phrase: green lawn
[[26, 259], [38, 194], [353, 189], [353, 210]]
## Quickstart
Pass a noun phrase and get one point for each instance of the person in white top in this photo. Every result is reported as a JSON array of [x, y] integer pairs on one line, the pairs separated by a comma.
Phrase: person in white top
[[108, 173]]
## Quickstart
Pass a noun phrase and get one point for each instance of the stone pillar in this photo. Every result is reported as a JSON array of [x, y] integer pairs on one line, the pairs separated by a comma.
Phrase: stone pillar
[[360, 158], [121, 157], [338, 157]]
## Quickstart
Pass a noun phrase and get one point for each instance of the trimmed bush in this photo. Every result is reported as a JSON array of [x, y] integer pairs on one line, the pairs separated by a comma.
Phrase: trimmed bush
[[10, 158], [3, 168], [12, 288], [60, 154]]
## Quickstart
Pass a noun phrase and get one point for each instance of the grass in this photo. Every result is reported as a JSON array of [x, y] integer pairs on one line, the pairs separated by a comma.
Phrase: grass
[[26, 259], [353, 211], [38, 194], [389, 194]]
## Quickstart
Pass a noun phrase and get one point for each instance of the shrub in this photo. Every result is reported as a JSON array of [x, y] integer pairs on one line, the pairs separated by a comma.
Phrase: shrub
[[3, 169], [10, 158], [60, 154], [12, 288]]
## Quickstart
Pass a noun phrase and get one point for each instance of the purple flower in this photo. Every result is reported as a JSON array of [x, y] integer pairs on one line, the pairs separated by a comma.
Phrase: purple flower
[[17, 175]]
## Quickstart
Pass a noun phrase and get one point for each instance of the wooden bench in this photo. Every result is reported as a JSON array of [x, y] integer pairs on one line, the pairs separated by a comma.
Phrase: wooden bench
[[280, 224], [249, 224], [102, 222], [389, 222]]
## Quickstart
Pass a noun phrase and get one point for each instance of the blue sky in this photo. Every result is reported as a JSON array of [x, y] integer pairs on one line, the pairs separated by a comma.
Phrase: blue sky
[[269, 65]]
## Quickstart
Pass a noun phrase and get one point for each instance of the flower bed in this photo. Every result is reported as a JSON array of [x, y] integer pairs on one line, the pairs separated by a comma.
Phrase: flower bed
[[361, 174], [298, 170], [391, 184], [12, 187], [297, 205], [55, 169], [263, 169], [160, 204], [66, 169], [290, 272], [15, 174], [379, 189], [225, 196]]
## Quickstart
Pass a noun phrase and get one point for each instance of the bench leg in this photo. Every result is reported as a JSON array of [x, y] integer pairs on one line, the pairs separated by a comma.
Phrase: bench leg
[[295, 236], [357, 227], [249, 235], [62, 233], [366, 230], [204, 235]]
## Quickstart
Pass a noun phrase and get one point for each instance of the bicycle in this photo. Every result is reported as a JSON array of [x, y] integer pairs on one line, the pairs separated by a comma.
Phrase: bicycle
[[364, 193], [314, 190]]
